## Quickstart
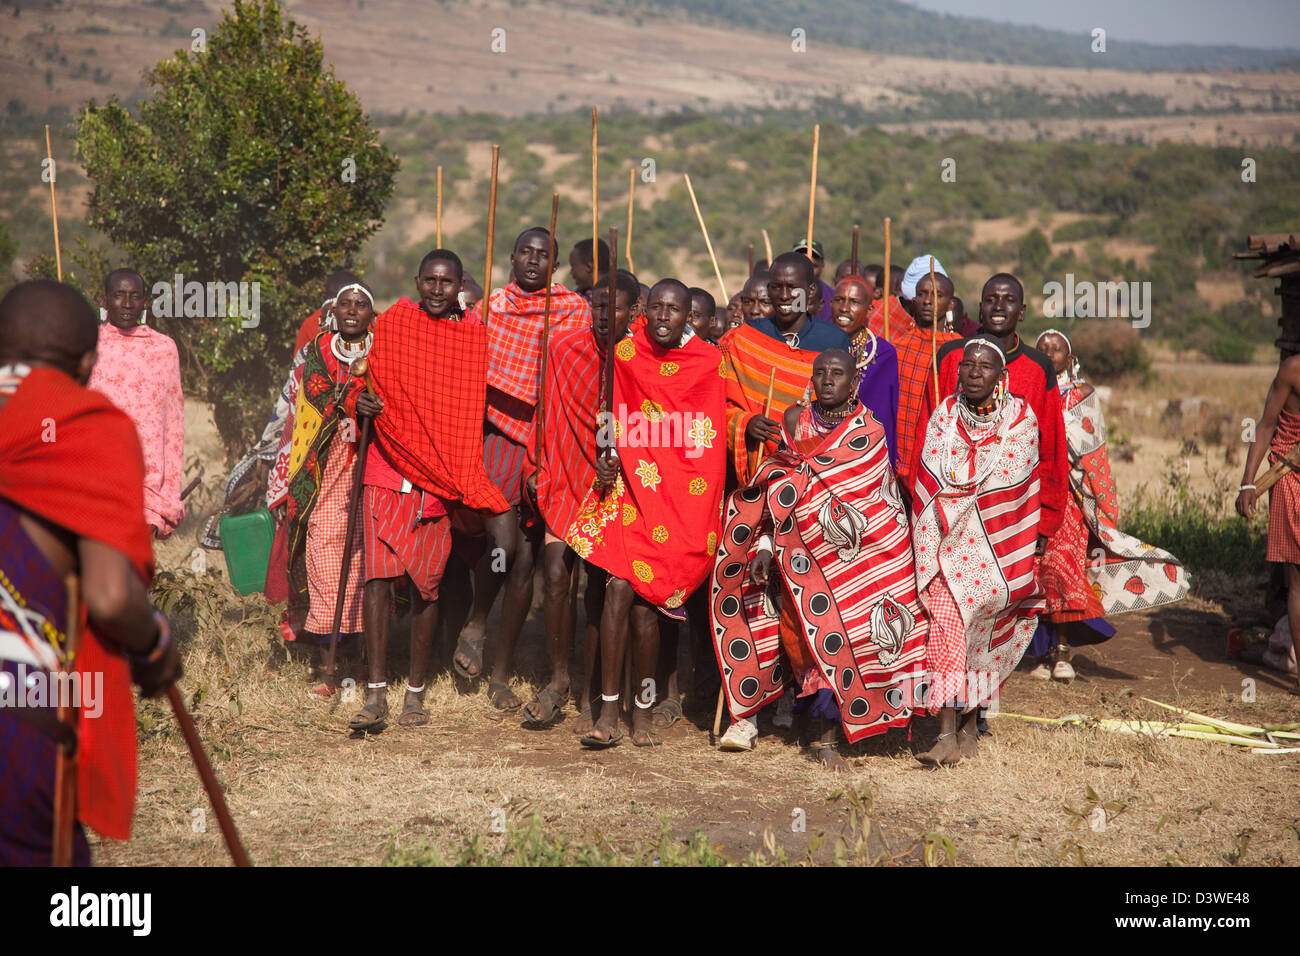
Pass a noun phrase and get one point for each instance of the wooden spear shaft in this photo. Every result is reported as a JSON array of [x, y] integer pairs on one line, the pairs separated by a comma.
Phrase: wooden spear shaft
[[934, 332], [751, 258], [540, 430], [595, 204], [439, 208], [54, 206], [707, 244], [812, 190], [627, 240], [767, 245], [491, 233], [853, 256], [65, 764], [886, 278]]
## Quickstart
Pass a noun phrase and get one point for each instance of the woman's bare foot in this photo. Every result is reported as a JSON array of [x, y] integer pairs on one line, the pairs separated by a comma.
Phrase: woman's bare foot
[[945, 752]]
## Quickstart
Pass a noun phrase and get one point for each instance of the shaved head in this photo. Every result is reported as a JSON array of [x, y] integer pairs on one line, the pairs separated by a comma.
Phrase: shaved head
[[48, 323]]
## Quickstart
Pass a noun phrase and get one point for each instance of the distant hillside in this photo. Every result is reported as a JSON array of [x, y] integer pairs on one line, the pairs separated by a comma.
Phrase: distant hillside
[[888, 26]]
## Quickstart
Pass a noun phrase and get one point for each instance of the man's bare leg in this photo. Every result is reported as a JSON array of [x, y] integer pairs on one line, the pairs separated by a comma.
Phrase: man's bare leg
[[593, 602], [613, 646], [376, 609], [645, 658], [1293, 613], [502, 542], [558, 561], [668, 709], [515, 605], [424, 625]]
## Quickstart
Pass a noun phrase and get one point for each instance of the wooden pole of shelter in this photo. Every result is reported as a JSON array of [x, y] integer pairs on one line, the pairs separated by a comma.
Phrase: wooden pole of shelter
[[540, 430], [491, 232], [439, 208], [934, 332], [627, 241], [886, 278], [54, 206], [708, 245], [812, 190]]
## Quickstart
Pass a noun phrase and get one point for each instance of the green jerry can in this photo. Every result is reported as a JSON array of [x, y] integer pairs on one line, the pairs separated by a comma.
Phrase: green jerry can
[[246, 539]]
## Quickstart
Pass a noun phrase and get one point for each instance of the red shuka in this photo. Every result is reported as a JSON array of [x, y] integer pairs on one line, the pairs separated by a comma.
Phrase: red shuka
[[567, 467], [89, 480]]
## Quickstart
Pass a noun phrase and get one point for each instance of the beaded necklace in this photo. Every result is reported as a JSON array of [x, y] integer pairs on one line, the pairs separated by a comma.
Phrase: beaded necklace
[[348, 352]]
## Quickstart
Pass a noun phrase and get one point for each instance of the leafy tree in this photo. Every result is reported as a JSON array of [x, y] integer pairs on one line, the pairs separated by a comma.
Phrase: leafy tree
[[250, 163]]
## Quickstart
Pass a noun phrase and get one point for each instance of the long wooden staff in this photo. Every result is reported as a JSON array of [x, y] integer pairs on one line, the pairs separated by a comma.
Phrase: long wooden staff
[[492, 225], [886, 278], [439, 213], [54, 206], [708, 245], [812, 189], [767, 412], [853, 256], [360, 368], [540, 430], [611, 436], [210, 784], [767, 244], [751, 258], [65, 765], [627, 243], [595, 201], [934, 332]]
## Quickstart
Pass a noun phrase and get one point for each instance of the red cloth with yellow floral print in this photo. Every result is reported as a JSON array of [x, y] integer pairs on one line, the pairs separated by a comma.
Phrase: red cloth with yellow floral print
[[658, 527]]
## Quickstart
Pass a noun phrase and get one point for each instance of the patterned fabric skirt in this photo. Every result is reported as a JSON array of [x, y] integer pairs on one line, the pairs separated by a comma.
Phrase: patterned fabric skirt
[[945, 651], [505, 461], [1063, 573], [327, 532], [1284, 497], [399, 541]]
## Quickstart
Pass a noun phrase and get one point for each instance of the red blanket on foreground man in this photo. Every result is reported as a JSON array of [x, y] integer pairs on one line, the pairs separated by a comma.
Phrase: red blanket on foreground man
[[844, 552], [88, 480], [658, 527], [567, 466], [431, 375]]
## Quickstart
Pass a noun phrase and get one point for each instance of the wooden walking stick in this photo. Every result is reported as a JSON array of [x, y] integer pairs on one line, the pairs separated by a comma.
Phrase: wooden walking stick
[[54, 206], [812, 190], [934, 332], [717, 712], [707, 244], [767, 245], [767, 412], [595, 202], [65, 764], [886, 278], [853, 255], [359, 368], [540, 430], [492, 225], [751, 258], [627, 243], [439, 213]]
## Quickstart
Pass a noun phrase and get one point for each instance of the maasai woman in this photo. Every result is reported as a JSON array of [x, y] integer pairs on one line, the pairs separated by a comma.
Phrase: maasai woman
[[1090, 569], [320, 447], [825, 513], [975, 540]]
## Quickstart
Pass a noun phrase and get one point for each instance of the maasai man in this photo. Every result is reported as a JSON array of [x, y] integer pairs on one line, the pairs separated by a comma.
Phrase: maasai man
[[582, 265], [826, 512], [471, 294], [320, 448], [139, 370], [1277, 433], [703, 314], [514, 367], [916, 376], [71, 502], [653, 525], [1090, 569], [959, 321], [427, 384], [820, 304], [1029, 375], [899, 319], [755, 302], [788, 343], [846, 267], [735, 312], [566, 473], [975, 497], [875, 359]]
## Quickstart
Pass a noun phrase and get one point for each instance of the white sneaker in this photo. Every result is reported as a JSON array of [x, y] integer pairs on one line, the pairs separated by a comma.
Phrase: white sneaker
[[740, 735], [784, 711], [1063, 671], [1041, 672]]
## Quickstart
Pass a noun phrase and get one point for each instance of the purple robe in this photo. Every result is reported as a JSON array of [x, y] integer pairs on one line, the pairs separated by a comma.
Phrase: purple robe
[[878, 391]]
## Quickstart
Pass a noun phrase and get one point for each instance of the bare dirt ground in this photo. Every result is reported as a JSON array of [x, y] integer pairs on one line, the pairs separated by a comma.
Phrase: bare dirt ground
[[304, 791], [561, 54]]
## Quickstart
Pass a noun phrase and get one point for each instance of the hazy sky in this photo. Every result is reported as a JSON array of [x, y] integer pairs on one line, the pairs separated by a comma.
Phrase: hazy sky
[[1258, 23]]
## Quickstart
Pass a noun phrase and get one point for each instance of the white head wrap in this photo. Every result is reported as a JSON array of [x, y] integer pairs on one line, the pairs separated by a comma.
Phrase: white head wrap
[[1055, 332], [920, 267], [987, 343]]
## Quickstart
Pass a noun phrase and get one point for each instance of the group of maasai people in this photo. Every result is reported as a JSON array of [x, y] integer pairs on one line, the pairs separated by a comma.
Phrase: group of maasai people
[[864, 506]]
